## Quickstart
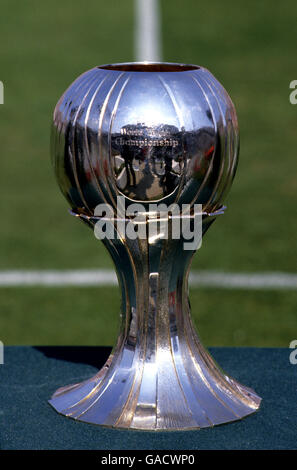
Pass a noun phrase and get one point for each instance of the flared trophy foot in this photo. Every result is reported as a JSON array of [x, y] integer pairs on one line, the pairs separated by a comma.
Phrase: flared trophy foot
[[182, 390]]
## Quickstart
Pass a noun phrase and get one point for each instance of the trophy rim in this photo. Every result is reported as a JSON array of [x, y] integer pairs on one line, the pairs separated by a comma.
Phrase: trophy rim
[[149, 66], [77, 213]]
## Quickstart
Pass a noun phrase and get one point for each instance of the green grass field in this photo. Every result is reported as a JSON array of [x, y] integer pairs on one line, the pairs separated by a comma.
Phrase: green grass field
[[251, 48]]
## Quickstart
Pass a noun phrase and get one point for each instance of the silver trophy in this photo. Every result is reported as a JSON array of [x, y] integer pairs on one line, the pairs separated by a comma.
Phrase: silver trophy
[[150, 134]]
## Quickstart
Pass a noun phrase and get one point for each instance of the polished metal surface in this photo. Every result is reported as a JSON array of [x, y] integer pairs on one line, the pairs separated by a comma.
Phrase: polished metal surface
[[150, 132]]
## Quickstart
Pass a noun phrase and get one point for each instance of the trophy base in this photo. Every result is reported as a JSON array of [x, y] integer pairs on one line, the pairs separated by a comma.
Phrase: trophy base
[[177, 393], [159, 376]]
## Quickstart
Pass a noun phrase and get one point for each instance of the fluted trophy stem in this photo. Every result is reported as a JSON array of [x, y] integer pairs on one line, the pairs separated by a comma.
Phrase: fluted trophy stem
[[158, 376], [147, 135]]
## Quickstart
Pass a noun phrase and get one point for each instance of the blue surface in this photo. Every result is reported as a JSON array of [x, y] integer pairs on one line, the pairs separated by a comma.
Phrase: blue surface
[[30, 375]]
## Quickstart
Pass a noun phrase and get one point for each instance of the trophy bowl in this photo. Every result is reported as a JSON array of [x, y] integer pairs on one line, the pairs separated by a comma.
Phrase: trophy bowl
[[151, 136]]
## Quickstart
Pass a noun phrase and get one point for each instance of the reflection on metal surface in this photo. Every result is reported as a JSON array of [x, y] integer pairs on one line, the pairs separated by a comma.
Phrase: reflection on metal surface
[[150, 132], [164, 132]]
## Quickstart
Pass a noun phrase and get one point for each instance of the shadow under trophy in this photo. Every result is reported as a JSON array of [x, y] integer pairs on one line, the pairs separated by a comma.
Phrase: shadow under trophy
[[145, 135]]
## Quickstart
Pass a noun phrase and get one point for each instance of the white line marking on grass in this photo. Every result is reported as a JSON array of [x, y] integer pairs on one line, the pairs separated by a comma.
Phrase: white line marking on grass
[[105, 277], [58, 278], [272, 280], [147, 31]]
